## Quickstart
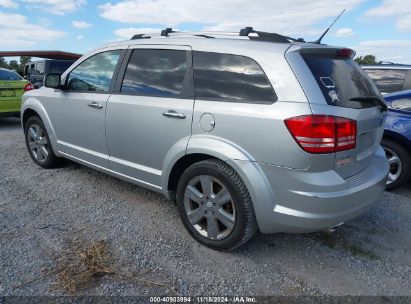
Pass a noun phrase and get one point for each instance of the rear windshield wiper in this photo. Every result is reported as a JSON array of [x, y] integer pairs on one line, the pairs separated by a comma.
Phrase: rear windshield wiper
[[380, 102]]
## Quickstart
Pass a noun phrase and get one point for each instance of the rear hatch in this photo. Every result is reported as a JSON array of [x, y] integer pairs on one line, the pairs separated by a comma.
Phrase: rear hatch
[[12, 89], [11, 85], [346, 91]]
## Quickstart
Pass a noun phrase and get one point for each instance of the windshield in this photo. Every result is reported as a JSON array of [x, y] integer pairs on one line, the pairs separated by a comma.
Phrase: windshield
[[59, 66], [9, 75], [342, 82]]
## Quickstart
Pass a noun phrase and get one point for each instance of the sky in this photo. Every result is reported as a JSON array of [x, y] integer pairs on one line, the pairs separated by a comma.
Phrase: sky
[[378, 27]]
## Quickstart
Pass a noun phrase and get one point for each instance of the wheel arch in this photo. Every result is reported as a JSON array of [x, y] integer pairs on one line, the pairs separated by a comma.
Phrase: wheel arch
[[32, 107], [194, 149], [204, 147], [398, 138]]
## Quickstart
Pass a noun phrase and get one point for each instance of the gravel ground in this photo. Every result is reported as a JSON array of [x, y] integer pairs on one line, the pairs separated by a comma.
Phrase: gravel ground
[[43, 211]]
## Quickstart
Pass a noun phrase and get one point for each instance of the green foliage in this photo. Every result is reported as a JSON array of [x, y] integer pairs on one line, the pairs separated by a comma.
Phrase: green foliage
[[3, 63], [14, 65], [367, 59]]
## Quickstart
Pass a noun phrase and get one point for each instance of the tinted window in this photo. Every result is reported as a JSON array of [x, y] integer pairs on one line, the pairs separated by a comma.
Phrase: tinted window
[[155, 72], [95, 73], [59, 66], [230, 78], [401, 104], [9, 75], [340, 80], [387, 80], [40, 68]]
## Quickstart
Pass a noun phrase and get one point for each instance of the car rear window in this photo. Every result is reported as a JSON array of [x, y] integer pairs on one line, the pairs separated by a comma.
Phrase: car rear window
[[341, 80], [9, 75], [234, 78], [387, 80]]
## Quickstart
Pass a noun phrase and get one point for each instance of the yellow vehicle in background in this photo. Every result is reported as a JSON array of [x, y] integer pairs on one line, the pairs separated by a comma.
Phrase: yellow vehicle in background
[[12, 88]]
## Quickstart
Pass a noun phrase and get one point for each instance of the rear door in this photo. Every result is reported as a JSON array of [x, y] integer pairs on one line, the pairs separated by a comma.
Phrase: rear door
[[341, 88], [150, 110]]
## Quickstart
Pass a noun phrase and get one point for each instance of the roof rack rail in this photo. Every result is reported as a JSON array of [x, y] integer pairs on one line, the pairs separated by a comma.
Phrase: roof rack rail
[[266, 36], [140, 36], [245, 32], [167, 31], [386, 62]]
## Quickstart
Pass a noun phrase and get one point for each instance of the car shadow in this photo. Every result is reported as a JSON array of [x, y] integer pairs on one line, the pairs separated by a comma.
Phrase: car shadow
[[404, 190], [11, 123]]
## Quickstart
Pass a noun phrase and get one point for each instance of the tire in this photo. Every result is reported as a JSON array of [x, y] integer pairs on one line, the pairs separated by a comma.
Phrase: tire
[[400, 164], [227, 205], [35, 142]]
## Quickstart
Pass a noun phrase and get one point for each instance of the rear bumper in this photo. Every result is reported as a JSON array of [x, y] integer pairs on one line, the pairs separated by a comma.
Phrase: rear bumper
[[10, 106], [313, 201]]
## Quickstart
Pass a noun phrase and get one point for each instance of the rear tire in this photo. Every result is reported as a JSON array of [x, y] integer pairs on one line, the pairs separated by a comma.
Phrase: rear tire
[[215, 206], [38, 143], [400, 164]]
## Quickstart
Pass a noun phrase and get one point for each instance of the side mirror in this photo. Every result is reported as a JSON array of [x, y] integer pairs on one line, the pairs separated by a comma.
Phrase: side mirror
[[53, 80]]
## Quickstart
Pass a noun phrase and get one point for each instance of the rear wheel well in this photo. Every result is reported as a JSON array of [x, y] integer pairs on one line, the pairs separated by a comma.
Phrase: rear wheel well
[[180, 166], [398, 139], [27, 114]]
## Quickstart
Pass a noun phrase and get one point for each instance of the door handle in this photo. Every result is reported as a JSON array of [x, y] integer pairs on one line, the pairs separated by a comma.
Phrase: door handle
[[174, 114], [95, 105]]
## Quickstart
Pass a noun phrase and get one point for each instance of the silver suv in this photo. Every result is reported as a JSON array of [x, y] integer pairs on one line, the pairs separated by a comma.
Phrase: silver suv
[[244, 131]]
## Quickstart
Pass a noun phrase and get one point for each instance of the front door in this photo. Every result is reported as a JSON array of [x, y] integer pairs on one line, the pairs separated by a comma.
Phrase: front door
[[78, 113]]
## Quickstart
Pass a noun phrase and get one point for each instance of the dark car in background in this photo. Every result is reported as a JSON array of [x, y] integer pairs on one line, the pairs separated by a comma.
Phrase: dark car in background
[[397, 138], [35, 71], [390, 77]]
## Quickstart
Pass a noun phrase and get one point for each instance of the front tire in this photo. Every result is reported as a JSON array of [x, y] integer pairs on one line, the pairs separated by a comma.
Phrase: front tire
[[38, 143], [400, 164], [215, 206]]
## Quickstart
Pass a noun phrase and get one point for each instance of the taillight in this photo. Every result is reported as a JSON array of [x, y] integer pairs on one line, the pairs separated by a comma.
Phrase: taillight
[[28, 87], [323, 133], [346, 53]]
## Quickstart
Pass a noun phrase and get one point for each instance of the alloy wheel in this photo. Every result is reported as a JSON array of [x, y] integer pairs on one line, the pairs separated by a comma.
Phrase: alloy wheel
[[209, 207], [395, 165], [38, 143]]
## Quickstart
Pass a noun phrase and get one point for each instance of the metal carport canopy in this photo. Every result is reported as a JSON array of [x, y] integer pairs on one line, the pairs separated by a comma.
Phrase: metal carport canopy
[[42, 54]]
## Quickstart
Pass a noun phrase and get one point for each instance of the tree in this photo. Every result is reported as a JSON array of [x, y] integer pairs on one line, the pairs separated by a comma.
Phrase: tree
[[3, 63], [13, 65], [23, 61], [367, 59]]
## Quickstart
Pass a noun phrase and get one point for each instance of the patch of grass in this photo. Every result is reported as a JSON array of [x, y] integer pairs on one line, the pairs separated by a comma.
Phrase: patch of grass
[[358, 251], [83, 265]]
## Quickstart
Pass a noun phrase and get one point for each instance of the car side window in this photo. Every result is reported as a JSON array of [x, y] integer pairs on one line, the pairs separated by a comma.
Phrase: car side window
[[95, 73], [40, 68], [153, 72], [233, 78], [387, 80], [401, 104]]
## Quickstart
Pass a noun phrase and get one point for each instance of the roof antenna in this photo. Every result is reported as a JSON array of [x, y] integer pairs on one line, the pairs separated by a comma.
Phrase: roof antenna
[[318, 41]]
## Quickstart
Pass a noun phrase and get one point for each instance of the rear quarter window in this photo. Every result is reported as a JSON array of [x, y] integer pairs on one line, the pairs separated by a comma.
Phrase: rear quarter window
[[233, 78]]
